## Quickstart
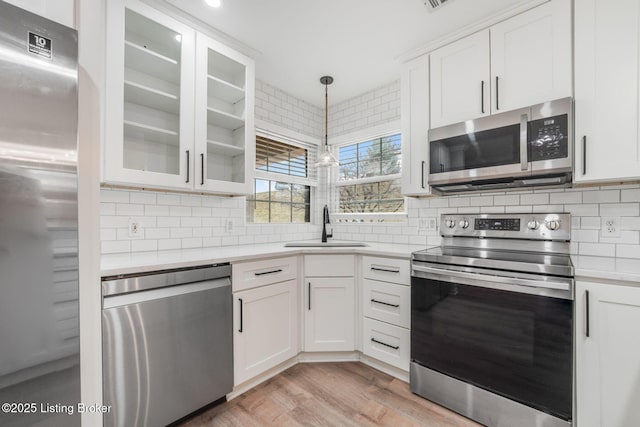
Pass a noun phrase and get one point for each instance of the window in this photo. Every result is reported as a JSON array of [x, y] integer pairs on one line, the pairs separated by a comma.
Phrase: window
[[284, 176], [369, 177]]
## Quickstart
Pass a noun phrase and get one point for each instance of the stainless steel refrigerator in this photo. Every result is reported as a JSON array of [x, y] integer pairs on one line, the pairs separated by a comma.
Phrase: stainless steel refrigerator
[[39, 326]]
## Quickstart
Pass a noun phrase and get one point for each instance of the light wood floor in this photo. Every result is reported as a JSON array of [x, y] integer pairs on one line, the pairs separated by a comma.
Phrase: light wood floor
[[329, 394]]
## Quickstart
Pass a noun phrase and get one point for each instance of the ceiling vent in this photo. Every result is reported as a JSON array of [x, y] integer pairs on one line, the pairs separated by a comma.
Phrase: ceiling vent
[[434, 4]]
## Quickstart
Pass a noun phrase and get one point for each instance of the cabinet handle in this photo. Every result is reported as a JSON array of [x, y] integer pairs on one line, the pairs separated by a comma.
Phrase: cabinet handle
[[201, 169], [586, 329], [241, 316], [584, 155], [422, 181], [385, 270], [187, 166], [482, 96], [497, 93], [385, 303], [268, 272], [395, 347], [309, 294]]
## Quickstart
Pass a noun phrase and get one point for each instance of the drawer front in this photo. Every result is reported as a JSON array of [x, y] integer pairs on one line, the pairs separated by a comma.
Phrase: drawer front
[[387, 343], [387, 302], [247, 275], [391, 270], [329, 265]]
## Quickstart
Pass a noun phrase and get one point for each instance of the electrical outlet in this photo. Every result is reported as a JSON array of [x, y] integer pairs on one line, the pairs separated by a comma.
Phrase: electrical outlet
[[135, 229], [230, 225], [610, 227], [427, 223]]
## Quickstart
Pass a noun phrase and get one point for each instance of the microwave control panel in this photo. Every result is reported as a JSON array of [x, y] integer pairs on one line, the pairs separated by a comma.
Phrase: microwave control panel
[[549, 138]]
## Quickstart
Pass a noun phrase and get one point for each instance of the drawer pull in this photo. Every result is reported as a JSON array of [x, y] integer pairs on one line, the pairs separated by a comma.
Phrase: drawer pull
[[269, 272], [385, 303], [241, 315], [395, 347], [386, 270]]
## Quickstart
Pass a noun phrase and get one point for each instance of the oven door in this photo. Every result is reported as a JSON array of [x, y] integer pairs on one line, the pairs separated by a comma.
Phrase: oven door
[[491, 147], [509, 336]]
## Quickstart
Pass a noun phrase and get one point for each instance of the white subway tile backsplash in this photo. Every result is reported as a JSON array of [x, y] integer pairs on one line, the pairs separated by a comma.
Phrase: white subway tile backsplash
[[190, 221], [195, 242], [113, 196], [168, 221], [632, 195], [628, 251], [107, 208], [178, 233], [143, 197], [597, 249], [156, 210], [115, 246], [168, 244], [620, 209], [565, 198], [511, 199], [604, 196], [630, 223], [583, 210], [535, 199], [168, 199], [144, 245], [588, 222], [129, 209]]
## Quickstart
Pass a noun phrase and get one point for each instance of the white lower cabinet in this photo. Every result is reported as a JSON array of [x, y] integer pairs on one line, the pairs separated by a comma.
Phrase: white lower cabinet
[[607, 355], [386, 309], [329, 308], [265, 328], [329, 314], [386, 342]]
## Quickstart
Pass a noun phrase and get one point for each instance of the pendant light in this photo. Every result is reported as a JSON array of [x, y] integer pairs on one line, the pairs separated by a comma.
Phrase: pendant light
[[326, 158]]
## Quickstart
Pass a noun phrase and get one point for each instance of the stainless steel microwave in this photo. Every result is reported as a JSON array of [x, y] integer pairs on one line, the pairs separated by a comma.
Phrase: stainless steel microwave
[[522, 148]]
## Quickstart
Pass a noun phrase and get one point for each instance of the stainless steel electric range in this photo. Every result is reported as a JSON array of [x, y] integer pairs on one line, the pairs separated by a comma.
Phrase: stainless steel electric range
[[491, 319]]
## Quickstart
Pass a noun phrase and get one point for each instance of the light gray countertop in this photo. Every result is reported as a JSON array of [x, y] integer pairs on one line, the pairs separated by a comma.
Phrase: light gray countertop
[[606, 268], [586, 267], [143, 262]]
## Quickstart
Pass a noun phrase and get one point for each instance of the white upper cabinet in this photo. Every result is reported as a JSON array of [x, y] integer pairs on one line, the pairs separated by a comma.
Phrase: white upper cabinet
[[522, 61], [150, 103], [158, 134], [531, 57], [225, 132], [460, 80], [415, 124], [607, 114]]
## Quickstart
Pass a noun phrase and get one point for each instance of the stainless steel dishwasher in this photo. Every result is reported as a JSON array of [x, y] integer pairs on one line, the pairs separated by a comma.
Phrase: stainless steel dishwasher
[[167, 343]]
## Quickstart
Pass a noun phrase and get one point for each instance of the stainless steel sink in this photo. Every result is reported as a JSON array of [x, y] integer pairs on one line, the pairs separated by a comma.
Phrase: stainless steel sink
[[310, 244]]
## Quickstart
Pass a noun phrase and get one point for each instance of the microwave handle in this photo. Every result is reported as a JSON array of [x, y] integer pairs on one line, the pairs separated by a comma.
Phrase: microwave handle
[[524, 155]]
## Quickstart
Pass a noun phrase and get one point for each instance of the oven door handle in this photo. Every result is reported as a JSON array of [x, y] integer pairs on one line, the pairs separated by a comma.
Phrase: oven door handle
[[486, 281]]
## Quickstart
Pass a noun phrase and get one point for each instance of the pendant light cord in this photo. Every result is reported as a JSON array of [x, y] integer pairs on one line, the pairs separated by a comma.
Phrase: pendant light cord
[[326, 115]]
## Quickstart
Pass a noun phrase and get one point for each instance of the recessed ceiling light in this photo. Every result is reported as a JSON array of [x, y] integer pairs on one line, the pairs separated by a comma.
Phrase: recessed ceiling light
[[214, 3]]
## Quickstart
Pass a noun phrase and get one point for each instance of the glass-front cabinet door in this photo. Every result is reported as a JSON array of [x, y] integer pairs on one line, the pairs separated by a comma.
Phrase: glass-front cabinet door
[[225, 132], [150, 98]]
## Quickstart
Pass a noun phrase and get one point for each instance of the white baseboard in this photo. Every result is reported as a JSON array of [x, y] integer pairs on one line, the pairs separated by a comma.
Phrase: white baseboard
[[259, 379], [329, 356], [398, 373]]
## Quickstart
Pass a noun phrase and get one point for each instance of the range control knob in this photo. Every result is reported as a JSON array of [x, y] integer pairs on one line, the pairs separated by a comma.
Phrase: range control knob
[[533, 225], [553, 225], [451, 223], [463, 223]]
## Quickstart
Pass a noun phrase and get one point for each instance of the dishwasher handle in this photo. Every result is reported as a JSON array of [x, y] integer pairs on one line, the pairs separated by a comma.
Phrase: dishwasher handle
[[113, 301], [116, 285]]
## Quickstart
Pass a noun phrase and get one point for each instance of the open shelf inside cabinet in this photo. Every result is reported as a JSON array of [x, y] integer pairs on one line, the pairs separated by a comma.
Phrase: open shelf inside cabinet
[[224, 91], [225, 69], [145, 60], [225, 154], [223, 119], [150, 156], [142, 89]]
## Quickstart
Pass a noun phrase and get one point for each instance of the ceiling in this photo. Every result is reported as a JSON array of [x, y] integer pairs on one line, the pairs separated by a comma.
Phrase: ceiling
[[356, 41]]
